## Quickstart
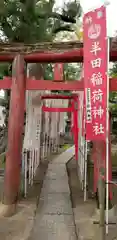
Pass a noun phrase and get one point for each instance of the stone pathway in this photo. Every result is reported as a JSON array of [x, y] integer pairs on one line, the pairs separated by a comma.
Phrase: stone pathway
[[54, 218]]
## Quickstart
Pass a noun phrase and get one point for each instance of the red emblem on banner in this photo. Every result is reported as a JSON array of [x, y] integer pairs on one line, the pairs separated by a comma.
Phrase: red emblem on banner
[[95, 73]]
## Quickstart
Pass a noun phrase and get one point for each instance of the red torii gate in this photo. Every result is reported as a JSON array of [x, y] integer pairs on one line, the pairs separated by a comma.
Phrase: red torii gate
[[58, 76], [18, 85], [73, 109], [55, 85]]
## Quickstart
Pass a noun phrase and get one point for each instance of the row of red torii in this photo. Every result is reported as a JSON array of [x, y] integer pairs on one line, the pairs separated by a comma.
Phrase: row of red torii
[[18, 84]]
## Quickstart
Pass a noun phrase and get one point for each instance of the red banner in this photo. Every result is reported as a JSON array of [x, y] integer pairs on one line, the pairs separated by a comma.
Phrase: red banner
[[95, 73]]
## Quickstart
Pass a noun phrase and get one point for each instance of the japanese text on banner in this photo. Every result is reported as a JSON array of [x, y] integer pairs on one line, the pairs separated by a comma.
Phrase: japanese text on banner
[[95, 73]]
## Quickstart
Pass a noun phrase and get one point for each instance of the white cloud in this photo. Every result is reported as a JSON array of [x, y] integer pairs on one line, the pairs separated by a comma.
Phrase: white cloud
[[111, 12]]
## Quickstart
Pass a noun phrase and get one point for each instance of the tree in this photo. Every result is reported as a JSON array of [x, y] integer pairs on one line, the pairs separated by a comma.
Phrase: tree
[[30, 21], [22, 20]]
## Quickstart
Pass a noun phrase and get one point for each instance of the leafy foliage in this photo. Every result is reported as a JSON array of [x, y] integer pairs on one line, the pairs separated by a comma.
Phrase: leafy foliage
[[72, 71], [113, 95], [113, 101], [31, 21]]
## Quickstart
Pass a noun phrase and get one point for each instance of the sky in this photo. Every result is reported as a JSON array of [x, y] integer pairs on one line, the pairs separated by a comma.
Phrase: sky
[[111, 11]]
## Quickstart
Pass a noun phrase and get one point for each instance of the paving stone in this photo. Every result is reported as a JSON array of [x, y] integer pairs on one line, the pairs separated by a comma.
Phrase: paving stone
[[57, 167], [55, 186], [55, 204], [55, 172], [54, 227], [54, 218], [65, 156]]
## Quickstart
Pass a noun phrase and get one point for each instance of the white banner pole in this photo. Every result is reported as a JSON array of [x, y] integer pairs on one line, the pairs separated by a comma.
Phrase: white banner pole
[[107, 143], [106, 3], [85, 177]]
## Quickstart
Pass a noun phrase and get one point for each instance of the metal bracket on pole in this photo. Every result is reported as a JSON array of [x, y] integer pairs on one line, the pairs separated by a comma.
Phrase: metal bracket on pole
[[110, 223]]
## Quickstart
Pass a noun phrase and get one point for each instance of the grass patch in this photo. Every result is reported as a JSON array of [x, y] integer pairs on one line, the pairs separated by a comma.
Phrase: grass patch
[[2, 160], [114, 159], [66, 146]]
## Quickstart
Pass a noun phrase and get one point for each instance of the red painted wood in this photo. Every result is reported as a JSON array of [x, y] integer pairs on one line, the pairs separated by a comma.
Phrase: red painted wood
[[55, 96], [52, 109], [75, 127], [58, 72], [73, 85], [113, 56], [113, 84], [51, 85], [15, 129], [44, 85], [6, 83], [67, 56]]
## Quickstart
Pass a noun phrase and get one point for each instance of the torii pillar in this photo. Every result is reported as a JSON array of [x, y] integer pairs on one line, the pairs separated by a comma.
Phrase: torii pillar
[[15, 138]]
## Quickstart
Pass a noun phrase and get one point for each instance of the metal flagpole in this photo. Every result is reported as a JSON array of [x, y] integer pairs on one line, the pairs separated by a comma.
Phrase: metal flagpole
[[85, 148], [85, 176], [85, 159], [107, 144], [106, 3]]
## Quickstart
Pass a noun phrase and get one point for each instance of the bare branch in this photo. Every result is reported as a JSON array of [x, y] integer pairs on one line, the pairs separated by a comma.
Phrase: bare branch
[[38, 47], [59, 16], [63, 28]]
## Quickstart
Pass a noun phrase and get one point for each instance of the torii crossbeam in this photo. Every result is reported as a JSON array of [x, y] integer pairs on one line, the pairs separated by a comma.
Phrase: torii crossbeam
[[32, 84], [18, 53]]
